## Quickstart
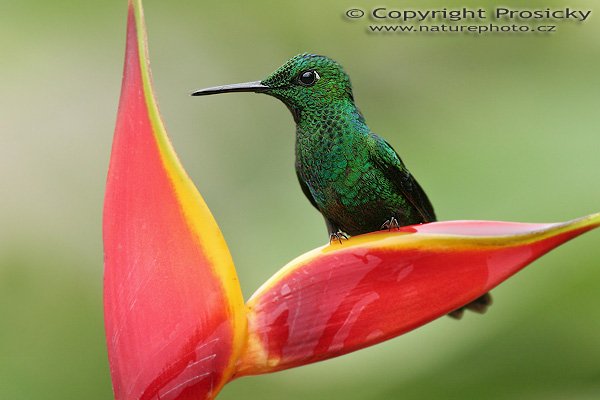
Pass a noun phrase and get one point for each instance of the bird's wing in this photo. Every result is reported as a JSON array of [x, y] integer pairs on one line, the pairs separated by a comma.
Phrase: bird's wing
[[306, 191], [389, 162]]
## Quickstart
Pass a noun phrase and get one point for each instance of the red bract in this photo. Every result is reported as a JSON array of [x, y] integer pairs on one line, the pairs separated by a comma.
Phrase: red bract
[[176, 324], [173, 307], [341, 298]]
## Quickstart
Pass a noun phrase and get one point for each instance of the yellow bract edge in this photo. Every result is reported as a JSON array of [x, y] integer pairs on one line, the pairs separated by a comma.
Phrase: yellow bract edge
[[197, 214]]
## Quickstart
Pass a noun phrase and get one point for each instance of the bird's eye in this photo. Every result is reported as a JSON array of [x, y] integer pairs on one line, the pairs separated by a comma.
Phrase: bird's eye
[[308, 78]]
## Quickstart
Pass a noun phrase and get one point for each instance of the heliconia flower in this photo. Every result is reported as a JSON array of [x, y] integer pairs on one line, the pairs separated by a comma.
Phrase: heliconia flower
[[340, 298], [174, 312], [176, 323]]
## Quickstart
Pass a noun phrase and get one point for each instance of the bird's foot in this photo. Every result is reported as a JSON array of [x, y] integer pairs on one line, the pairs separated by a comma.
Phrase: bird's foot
[[390, 224], [339, 235], [479, 305]]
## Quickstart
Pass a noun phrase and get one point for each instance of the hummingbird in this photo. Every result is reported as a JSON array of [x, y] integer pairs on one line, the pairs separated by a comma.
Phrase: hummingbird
[[352, 176]]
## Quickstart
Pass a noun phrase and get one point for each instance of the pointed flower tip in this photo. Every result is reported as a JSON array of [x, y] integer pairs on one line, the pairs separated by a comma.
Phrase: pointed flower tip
[[340, 298], [174, 313]]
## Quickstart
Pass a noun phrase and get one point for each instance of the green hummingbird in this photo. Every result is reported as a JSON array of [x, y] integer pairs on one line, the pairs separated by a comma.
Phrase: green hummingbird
[[353, 177]]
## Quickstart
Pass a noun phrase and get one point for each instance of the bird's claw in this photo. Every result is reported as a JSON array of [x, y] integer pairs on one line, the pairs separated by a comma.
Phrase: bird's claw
[[339, 235], [390, 224]]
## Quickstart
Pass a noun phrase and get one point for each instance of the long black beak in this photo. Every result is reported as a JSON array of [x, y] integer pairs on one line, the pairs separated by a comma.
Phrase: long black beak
[[256, 87]]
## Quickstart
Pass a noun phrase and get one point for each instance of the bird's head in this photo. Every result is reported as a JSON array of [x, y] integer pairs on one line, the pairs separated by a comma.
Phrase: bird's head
[[306, 82]]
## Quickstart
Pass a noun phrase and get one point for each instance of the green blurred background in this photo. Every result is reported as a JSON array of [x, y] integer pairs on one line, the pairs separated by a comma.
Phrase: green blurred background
[[494, 127]]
